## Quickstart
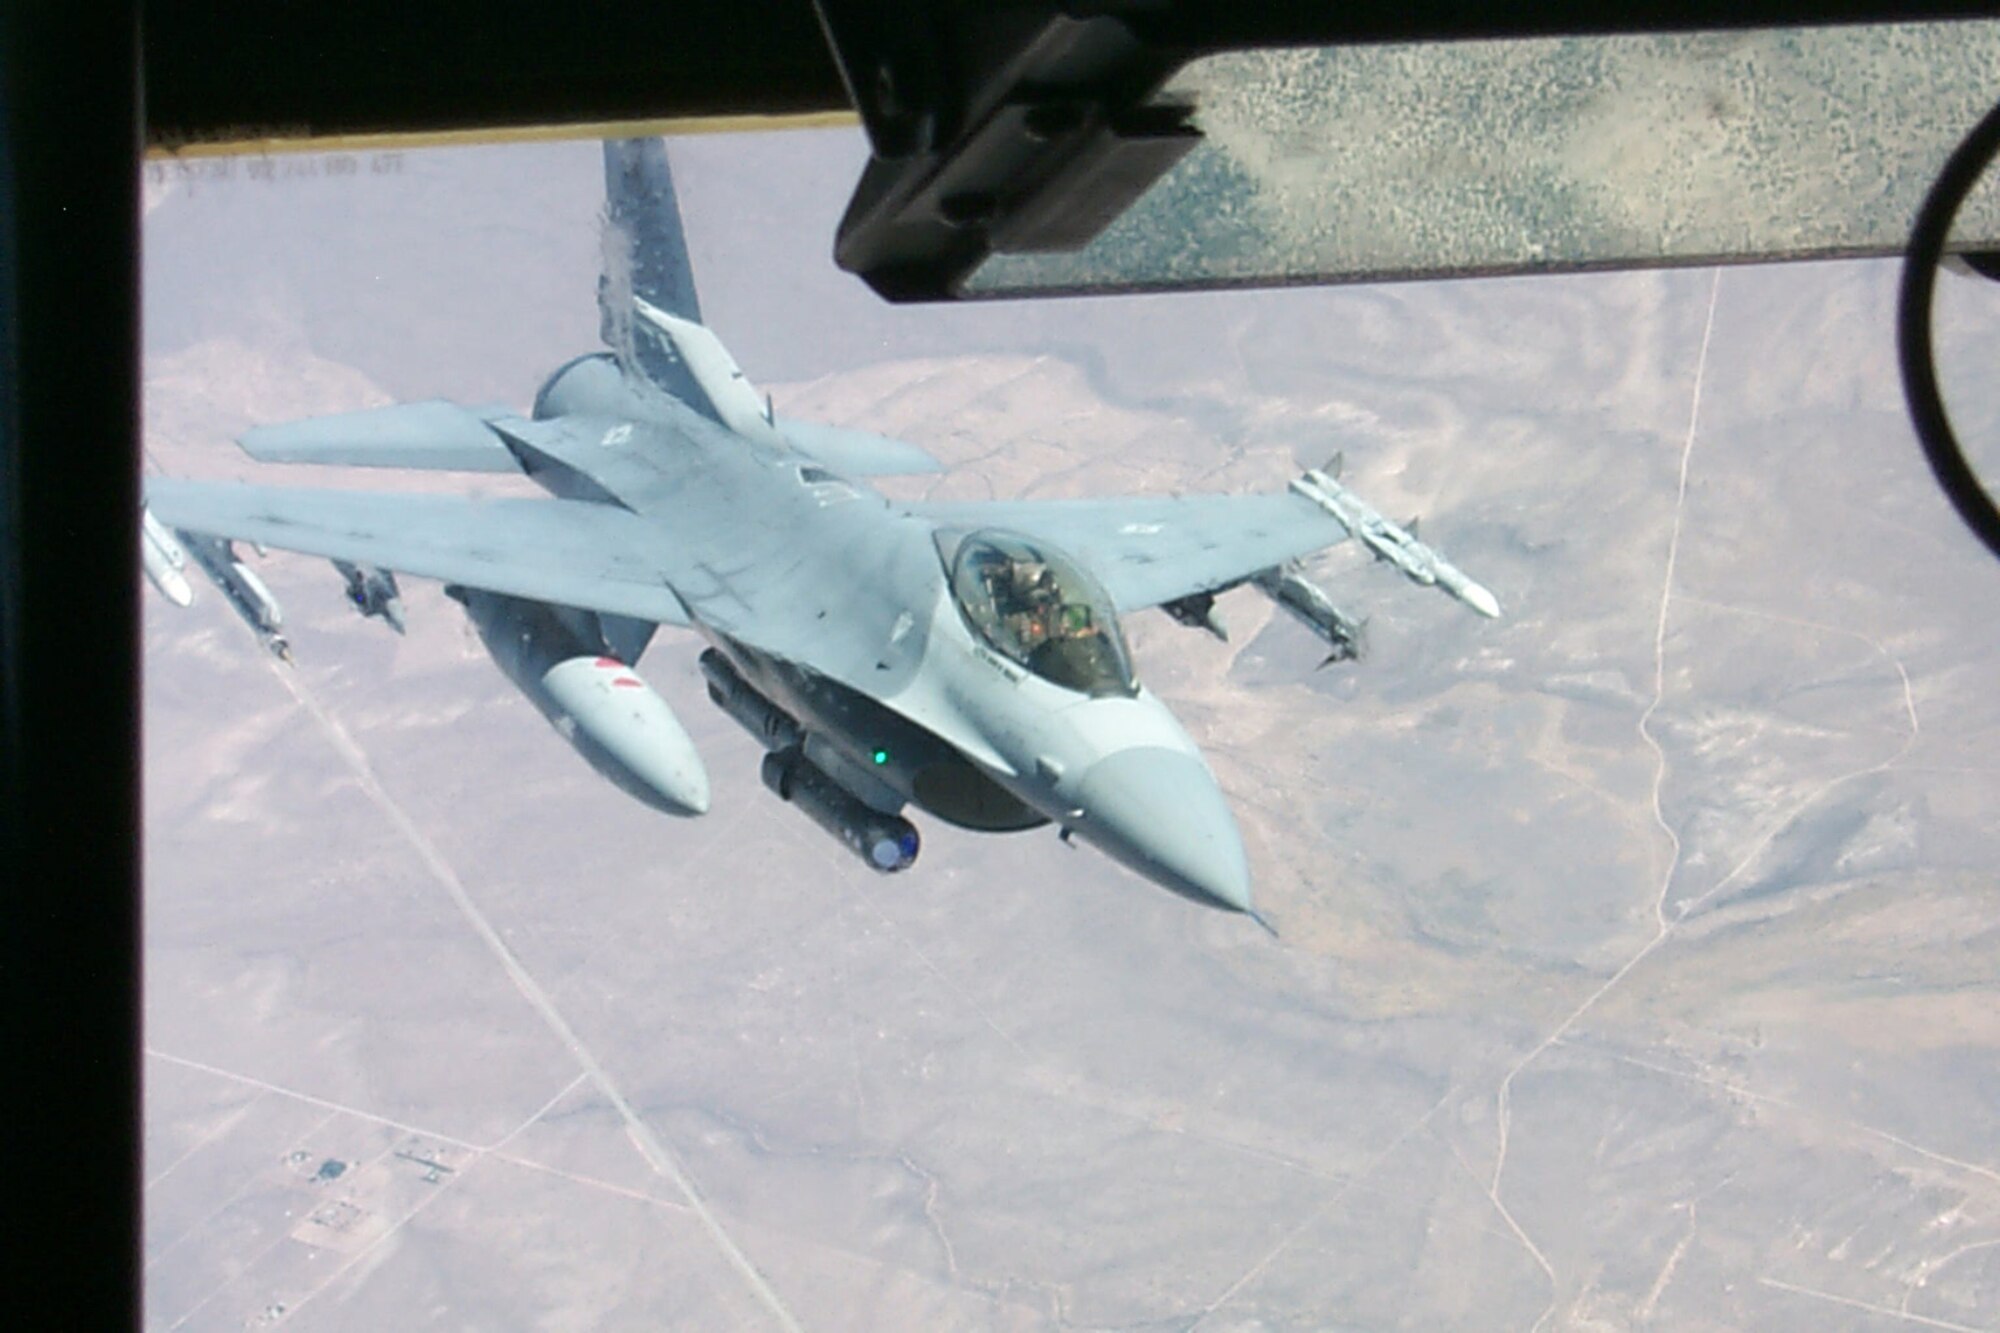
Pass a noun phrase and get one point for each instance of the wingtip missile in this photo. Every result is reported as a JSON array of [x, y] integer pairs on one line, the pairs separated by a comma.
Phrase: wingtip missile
[[1399, 546], [1467, 589], [172, 584], [162, 559]]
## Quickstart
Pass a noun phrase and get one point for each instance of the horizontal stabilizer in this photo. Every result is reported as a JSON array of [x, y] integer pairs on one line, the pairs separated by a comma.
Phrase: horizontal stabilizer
[[856, 453], [572, 552], [435, 435]]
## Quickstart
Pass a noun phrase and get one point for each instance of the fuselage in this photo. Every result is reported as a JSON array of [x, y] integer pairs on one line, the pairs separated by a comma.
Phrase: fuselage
[[841, 608]]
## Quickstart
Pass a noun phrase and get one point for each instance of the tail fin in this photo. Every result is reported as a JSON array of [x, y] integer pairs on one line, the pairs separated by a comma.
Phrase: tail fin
[[642, 209], [646, 260]]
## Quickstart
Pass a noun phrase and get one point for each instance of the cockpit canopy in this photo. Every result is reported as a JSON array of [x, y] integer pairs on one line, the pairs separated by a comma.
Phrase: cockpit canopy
[[1036, 607]]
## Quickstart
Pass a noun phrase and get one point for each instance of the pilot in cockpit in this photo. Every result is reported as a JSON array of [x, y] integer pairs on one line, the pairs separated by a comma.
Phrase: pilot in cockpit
[[1028, 603]]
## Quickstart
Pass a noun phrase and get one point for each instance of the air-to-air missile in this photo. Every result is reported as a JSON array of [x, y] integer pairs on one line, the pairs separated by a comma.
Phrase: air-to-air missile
[[1311, 607], [373, 592], [163, 560], [241, 586], [623, 729], [1397, 545]]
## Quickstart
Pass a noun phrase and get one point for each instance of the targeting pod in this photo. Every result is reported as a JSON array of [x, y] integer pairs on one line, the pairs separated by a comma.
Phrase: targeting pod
[[888, 843], [771, 725]]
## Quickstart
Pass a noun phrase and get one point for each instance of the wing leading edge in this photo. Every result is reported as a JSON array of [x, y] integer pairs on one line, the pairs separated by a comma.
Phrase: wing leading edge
[[1152, 550], [1176, 552], [575, 553]]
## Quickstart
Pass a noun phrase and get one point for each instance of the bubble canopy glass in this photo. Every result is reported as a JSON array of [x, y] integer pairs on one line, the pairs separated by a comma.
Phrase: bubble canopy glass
[[1036, 607]]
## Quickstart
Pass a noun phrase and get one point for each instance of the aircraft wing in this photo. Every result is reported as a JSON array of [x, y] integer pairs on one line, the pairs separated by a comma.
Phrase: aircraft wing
[[1150, 550], [576, 553]]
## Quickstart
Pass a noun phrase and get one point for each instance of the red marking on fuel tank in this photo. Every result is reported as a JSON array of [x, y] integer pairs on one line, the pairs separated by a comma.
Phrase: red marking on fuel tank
[[629, 682], [609, 662]]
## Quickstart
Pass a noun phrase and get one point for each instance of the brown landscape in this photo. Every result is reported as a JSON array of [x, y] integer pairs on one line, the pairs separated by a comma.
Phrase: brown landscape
[[1638, 951]]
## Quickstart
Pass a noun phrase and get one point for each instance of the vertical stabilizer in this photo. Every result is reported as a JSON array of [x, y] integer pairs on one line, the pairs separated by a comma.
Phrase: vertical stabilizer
[[640, 204], [646, 260]]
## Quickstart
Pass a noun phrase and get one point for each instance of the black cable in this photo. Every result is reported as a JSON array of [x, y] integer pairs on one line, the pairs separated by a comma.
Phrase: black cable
[[1942, 450]]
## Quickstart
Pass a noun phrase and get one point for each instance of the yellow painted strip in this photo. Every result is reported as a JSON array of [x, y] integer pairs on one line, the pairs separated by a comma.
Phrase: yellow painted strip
[[279, 140]]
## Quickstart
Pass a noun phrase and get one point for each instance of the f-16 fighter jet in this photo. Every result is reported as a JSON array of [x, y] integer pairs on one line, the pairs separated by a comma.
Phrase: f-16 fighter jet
[[962, 658]]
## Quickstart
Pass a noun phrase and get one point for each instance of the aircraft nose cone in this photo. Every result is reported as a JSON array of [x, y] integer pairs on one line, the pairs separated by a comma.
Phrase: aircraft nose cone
[[1160, 812]]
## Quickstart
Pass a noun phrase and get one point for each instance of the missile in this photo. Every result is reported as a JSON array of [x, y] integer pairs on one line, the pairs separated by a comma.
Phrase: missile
[[163, 560], [1390, 542], [887, 842], [616, 721], [1468, 590], [242, 588], [373, 592], [1311, 607]]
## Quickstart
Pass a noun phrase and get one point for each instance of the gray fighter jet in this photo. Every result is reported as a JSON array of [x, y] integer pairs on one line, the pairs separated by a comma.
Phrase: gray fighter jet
[[964, 658]]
